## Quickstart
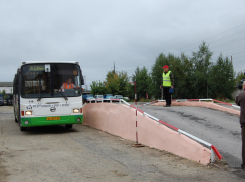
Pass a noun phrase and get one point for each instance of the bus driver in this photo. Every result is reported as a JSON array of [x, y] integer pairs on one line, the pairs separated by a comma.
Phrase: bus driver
[[68, 85]]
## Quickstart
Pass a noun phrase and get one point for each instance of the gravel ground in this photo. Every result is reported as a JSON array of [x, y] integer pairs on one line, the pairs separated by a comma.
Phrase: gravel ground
[[85, 154]]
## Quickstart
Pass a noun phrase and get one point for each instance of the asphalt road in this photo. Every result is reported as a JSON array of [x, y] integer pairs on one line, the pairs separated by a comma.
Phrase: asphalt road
[[218, 128]]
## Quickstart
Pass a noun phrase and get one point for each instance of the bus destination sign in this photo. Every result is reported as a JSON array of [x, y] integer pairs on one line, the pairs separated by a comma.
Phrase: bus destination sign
[[37, 68]]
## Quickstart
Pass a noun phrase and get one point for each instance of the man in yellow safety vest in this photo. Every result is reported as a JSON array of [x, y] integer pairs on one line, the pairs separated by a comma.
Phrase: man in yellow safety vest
[[167, 84]]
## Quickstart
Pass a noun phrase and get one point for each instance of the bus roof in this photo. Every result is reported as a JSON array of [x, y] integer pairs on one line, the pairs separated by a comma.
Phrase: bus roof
[[36, 62]]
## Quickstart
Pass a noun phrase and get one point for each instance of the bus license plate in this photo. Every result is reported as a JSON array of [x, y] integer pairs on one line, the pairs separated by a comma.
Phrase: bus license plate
[[53, 118]]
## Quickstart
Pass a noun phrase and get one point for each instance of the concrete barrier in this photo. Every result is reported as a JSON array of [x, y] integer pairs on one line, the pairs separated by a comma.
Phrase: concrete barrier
[[119, 120], [202, 104]]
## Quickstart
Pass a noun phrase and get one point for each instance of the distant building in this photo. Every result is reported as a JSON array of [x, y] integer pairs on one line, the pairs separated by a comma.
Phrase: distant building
[[7, 86]]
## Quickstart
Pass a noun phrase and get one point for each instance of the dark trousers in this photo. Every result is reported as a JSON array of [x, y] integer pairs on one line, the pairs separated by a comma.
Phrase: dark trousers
[[167, 95], [243, 145]]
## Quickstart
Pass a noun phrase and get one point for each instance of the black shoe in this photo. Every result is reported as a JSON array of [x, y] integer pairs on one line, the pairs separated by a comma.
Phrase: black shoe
[[167, 106]]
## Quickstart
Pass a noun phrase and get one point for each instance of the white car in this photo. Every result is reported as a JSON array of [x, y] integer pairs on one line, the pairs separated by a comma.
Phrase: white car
[[118, 97], [99, 98]]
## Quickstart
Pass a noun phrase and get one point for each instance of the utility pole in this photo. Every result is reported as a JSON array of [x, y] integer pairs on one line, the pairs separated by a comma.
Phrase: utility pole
[[114, 68]]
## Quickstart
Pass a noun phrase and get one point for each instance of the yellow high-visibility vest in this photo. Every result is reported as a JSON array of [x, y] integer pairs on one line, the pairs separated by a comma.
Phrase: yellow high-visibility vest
[[166, 79]]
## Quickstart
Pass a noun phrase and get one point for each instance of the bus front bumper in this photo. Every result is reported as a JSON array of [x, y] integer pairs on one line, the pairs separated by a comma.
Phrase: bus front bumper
[[46, 121]]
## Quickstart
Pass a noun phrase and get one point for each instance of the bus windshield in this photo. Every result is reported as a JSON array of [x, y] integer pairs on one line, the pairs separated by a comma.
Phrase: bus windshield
[[50, 80]]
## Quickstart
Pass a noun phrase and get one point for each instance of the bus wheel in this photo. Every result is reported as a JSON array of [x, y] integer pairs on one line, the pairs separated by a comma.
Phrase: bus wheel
[[22, 128], [68, 126]]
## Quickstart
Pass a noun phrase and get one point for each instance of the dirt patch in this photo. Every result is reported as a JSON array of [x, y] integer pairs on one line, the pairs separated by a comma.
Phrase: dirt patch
[[3, 172]]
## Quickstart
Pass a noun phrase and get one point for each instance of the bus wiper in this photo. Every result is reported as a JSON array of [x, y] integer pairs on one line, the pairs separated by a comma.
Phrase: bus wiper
[[39, 98], [63, 95], [61, 92]]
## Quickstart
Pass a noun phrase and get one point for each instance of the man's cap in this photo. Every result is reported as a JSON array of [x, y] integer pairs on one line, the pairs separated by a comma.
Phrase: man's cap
[[166, 66]]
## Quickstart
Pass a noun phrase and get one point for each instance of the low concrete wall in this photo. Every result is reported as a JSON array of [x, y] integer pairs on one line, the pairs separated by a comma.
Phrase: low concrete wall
[[119, 120], [201, 104]]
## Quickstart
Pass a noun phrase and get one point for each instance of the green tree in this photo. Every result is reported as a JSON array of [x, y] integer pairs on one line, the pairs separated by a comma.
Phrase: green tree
[[98, 88], [117, 83], [4, 94], [156, 75], [195, 77], [112, 82], [141, 77], [202, 64], [177, 66], [183, 77], [222, 78], [123, 83], [239, 77]]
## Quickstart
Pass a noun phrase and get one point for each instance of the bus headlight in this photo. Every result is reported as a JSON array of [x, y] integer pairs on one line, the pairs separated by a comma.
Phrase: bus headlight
[[26, 122], [75, 110], [78, 119], [28, 113]]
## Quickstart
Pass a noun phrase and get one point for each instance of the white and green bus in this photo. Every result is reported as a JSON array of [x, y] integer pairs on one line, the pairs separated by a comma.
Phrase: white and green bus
[[42, 95]]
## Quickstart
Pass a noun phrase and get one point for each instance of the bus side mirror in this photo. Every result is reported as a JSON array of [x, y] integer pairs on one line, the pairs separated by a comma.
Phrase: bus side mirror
[[82, 81]]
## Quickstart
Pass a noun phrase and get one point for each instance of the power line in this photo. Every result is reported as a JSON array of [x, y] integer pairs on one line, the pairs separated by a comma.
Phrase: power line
[[238, 53], [222, 44], [229, 42], [219, 45], [239, 57], [227, 37], [241, 7], [212, 36], [232, 48], [114, 68]]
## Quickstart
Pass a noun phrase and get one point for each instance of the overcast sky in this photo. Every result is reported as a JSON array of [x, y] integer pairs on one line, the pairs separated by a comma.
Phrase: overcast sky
[[131, 33]]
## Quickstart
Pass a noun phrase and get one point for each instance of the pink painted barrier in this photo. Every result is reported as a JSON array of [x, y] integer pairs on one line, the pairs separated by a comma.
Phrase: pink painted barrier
[[119, 120], [202, 104]]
